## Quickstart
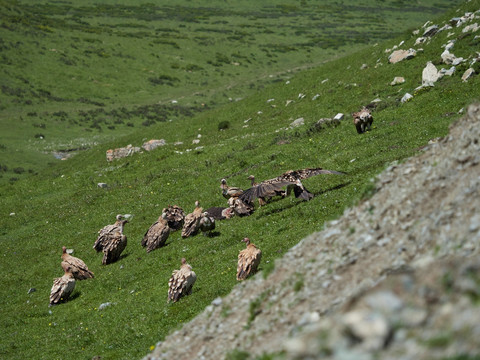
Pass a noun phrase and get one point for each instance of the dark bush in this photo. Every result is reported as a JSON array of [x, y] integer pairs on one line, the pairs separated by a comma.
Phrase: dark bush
[[223, 125], [19, 170]]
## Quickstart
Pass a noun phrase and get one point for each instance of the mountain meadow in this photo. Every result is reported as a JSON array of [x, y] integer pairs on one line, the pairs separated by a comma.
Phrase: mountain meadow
[[234, 89]]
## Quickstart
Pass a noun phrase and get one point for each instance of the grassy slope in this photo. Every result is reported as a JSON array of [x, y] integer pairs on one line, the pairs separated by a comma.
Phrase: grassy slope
[[63, 206], [78, 74]]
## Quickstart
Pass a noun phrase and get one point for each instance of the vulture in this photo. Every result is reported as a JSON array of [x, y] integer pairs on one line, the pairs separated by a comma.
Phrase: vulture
[[62, 287], [263, 199], [240, 207], [220, 213], [111, 241], [229, 191], [157, 234], [289, 178], [362, 120], [207, 223], [175, 217], [77, 267], [248, 260], [181, 282], [192, 221]]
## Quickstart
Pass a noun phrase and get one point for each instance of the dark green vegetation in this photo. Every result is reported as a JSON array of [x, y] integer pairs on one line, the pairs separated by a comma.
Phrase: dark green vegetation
[[62, 205], [75, 74]]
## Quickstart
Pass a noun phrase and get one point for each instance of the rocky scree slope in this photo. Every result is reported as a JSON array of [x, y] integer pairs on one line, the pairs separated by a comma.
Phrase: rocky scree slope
[[397, 276]]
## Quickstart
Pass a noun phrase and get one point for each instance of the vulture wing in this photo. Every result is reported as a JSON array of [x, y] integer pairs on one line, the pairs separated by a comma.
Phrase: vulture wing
[[61, 289], [114, 248], [156, 236], [103, 236], [181, 283], [191, 225], [248, 261], [175, 217], [268, 187], [78, 268]]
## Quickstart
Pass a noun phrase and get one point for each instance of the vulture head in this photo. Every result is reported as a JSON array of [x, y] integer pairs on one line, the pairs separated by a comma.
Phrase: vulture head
[[64, 249], [246, 240], [184, 261]]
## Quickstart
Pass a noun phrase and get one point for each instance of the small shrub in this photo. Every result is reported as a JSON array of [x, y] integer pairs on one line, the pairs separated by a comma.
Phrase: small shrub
[[223, 125], [19, 170], [39, 136]]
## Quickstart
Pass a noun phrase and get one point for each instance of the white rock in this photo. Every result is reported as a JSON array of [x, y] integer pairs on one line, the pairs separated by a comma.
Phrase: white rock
[[472, 28], [400, 55], [298, 122], [102, 185], [339, 116], [406, 97], [468, 74], [397, 80], [430, 74], [195, 141], [316, 97]]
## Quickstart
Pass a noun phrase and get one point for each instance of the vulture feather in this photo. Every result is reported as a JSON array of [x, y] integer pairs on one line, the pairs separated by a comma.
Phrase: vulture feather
[[157, 235], [248, 260], [220, 213], [112, 241], [292, 177], [362, 120], [78, 268], [192, 221], [181, 282], [267, 194], [229, 191], [62, 287], [207, 223], [240, 207], [175, 217]]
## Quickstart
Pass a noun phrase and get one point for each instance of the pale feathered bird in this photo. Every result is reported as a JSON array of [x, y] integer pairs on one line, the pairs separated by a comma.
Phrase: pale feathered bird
[[292, 177], [181, 282], [207, 223], [111, 241], [175, 217], [240, 207], [62, 287], [192, 221], [229, 191], [157, 234], [248, 260], [77, 266], [362, 120]]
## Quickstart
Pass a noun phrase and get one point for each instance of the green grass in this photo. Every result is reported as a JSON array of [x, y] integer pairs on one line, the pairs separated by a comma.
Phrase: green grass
[[62, 205], [74, 75]]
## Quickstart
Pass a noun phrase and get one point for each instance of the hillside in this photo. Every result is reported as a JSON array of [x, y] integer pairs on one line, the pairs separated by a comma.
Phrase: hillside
[[122, 312], [75, 75]]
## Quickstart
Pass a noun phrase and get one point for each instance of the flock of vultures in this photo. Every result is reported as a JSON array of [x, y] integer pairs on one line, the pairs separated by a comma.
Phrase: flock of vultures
[[111, 240]]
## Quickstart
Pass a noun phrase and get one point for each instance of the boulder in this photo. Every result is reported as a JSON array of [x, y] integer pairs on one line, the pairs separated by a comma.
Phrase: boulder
[[397, 80], [399, 55], [430, 31], [298, 122], [153, 144], [121, 152], [406, 97], [468, 74], [430, 74]]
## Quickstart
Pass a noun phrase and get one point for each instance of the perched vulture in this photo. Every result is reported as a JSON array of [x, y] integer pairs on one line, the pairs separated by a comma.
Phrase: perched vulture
[[62, 287], [108, 231], [207, 223], [292, 177], [181, 282], [263, 199], [240, 207], [157, 234], [362, 120], [248, 260], [229, 191], [77, 267], [112, 241], [192, 221], [220, 213], [175, 217]]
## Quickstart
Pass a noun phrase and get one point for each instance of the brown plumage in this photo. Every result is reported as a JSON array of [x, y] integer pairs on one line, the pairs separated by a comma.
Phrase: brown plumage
[[175, 217], [220, 213], [268, 194], [362, 120], [181, 282], [192, 221], [229, 191], [207, 223], [240, 207], [157, 235], [78, 268], [111, 241], [62, 287], [248, 260], [292, 177]]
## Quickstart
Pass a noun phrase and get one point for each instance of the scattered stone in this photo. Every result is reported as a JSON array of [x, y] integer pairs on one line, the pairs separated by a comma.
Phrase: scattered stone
[[339, 116], [298, 122], [400, 55], [369, 327], [397, 80], [406, 97], [324, 123], [102, 185], [31, 290], [153, 144], [468, 74], [217, 301], [430, 31], [471, 28], [195, 141], [288, 102], [448, 72], [420, 40], [12, 214], [122, 152], [316, 97], [104, 305], [363, 67], [430, 75]]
